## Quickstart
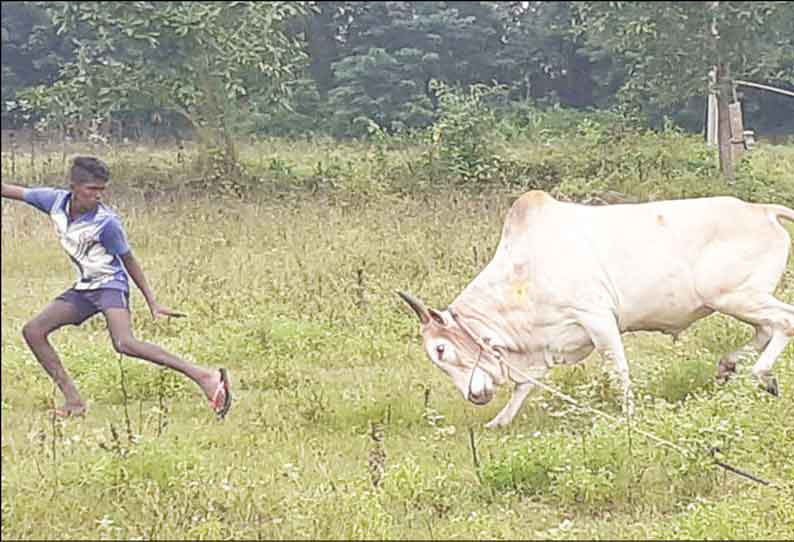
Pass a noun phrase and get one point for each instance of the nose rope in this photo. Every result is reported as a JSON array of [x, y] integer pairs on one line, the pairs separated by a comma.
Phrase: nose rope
[[502, 364], [479, 354], [480, 345]]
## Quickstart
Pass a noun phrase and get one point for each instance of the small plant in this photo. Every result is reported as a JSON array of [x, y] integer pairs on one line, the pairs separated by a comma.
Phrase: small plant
[[377, 454], [460, 134]]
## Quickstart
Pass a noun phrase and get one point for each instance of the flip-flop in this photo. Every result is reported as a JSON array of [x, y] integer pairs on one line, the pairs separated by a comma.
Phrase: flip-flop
[[61, 412], [223, 387]]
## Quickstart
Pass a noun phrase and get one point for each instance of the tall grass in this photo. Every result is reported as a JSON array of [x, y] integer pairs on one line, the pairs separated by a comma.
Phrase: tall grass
[[292, 289], [576, 157]]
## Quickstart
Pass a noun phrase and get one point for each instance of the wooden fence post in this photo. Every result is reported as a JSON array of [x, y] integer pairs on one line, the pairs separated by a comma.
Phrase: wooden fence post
[[737, 130], [711, 116]]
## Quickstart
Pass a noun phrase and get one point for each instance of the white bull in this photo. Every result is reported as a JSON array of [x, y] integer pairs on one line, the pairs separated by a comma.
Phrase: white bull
[[566, 279]]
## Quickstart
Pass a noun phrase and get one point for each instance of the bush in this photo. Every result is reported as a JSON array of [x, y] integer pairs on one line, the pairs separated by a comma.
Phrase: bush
[[459, 137]]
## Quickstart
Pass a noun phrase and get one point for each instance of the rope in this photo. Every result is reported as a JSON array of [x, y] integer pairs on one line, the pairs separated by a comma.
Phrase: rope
[[502, 363], [765, 87], [572, 401]]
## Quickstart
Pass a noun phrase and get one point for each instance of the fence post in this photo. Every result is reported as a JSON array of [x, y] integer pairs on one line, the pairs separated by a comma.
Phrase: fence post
[[737, 130], [711, 118]]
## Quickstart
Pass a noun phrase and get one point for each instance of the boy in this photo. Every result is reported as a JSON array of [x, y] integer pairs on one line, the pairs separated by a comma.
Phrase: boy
[[93, 238]]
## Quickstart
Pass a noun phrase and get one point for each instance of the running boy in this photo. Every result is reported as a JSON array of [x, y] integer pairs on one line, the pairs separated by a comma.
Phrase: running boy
[[93, 238]]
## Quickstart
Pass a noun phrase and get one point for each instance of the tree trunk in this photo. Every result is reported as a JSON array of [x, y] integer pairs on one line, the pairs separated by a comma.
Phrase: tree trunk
[[724, 96], [322, 46]]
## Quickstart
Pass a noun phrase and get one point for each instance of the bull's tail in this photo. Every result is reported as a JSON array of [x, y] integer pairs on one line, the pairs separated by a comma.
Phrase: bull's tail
[[780, 211]]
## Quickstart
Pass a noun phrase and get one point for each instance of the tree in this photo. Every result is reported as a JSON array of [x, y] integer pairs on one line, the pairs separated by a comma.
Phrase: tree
[[201, 60], [672, 46], [545, 55], [321, 27], [390, 51], [31, 51]]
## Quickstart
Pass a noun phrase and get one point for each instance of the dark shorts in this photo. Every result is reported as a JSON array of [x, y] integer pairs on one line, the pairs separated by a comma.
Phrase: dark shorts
[[90, 302]]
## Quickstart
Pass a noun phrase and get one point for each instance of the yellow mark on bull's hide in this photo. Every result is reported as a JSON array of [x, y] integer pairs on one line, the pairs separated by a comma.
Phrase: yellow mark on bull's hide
[[519, 290]]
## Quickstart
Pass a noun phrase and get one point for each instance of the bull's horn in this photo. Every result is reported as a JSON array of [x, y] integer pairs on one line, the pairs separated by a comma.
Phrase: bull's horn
[[416, 305]]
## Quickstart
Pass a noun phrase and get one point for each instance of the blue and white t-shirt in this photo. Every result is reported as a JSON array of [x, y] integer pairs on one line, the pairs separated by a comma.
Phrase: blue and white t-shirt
[[94, 241]]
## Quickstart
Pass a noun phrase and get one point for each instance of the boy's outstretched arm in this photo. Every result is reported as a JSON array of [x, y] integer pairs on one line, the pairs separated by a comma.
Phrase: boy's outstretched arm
[[136, 273], [13, 191]]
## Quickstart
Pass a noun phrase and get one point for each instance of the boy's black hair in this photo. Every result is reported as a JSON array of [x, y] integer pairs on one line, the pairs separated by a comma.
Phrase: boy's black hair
[[86, 169]]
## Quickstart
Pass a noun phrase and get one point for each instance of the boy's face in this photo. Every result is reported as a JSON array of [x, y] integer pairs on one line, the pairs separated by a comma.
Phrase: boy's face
[[87, 195]]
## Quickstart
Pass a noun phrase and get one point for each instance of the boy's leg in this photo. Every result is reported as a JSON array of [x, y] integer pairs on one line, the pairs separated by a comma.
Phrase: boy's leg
[[120, 327], [57, 314]]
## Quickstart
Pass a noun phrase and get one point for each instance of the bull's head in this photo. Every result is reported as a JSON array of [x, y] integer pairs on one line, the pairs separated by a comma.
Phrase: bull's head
[[465, 358]]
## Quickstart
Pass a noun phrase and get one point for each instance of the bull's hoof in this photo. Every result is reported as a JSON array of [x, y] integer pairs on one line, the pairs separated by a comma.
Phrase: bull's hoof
[[722, 379], [627, 408], [496, 423], [772, 387], [725, 370]]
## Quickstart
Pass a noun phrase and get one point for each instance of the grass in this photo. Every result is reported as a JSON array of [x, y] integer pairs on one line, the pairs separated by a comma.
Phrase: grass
[[294, 293]]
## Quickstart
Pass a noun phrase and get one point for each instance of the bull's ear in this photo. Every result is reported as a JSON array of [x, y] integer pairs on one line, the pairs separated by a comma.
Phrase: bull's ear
[[437, 316], [416, 305]]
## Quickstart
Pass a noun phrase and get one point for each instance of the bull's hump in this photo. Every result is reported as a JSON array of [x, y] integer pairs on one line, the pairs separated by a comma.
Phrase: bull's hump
[[524, 207], [533, 199]]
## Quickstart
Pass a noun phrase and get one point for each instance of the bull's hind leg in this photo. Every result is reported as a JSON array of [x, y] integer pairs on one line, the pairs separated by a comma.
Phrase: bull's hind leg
[[763, 310], [727, 364], [763, 367]]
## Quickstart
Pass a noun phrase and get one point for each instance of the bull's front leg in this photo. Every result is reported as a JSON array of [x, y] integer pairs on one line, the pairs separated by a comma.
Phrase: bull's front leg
[[512, 407], [605, 335], [622, 367]]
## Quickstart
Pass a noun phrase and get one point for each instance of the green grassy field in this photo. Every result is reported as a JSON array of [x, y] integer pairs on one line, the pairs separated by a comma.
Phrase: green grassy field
[[341, 428]]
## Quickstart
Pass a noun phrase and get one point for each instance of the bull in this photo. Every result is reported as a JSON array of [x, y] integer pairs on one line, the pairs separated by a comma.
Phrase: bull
[[567, 279]]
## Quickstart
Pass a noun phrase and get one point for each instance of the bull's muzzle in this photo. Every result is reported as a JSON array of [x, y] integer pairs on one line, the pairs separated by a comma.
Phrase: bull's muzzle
[[480, 388], [482, 399]]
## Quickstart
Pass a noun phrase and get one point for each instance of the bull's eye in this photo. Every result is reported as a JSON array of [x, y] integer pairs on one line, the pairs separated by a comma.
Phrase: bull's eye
[[440, 350]]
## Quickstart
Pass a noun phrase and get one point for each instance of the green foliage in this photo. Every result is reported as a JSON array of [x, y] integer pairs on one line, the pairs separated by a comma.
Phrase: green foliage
[[380, 86], [670, 46], [460, 135], [767, 176], [202, 61], [392, 51], [298, 68], [681, 379], [304, 113], [545, 57], [32, 52]]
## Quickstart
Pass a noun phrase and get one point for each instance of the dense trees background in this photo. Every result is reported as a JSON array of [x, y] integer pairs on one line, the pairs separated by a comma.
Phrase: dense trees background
[[217, 70]]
